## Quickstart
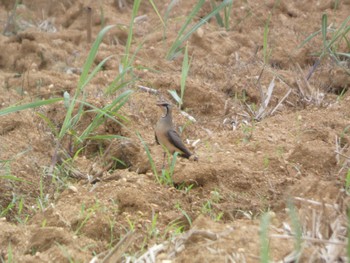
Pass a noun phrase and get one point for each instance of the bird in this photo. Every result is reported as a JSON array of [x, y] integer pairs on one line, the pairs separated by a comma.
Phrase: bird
[[166, 135]]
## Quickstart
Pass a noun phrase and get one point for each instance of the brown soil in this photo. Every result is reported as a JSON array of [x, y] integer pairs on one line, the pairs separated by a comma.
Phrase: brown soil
[[246, 167]]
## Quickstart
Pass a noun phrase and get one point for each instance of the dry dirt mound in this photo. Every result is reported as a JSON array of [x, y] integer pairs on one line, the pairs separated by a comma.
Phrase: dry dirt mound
[[286, 163]]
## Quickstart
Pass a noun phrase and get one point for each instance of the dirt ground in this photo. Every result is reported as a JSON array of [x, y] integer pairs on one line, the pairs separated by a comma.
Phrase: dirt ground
[[289, 166]]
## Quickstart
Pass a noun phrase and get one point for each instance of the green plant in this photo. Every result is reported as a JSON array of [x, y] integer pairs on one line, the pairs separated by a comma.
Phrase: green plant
[[266, 50], [65, 252], [331, 44], [43, 199], [227, 12], [86, 214], [207, 207], [112, 238], [167, 174], [75, 104], [31, 105], [247, 130], [149, 156], [182, 36], [9, 255], [227, 15], [296, 226], [184, 74], [131, 224], [186, 188], [5, 210], [342, 93], [153, 230], [178, 207], [264, 239], [215, 196], [125, 60], [174, 229]]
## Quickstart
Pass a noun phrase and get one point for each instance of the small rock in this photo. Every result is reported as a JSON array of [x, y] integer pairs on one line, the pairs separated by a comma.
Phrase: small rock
[[200, 32], [72, 188]]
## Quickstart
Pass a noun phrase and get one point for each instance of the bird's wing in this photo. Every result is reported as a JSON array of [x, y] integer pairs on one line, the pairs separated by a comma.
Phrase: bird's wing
[[175, 139]]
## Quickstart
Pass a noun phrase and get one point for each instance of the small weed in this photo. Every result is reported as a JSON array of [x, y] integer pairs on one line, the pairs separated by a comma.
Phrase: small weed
[[178, 207], [266, 50], [186, 188], [215, 196], [65, 252], [43, 199], [150, 159], [86, 214], [112, 239], [333, 41], [9, 254], [153, 230], [208, 209], [264, 239], [247, 130], [167, 174], [131, 224], [174, 229], [297, 228]]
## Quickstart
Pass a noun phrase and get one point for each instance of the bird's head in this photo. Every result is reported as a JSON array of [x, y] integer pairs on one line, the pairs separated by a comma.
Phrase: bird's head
[[166, 105]]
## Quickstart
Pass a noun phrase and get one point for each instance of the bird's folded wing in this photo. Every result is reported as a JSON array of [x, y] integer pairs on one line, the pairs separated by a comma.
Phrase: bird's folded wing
[[175, 139]]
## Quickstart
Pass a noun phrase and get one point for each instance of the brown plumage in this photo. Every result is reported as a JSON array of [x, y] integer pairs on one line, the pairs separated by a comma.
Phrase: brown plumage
[[167, 136]]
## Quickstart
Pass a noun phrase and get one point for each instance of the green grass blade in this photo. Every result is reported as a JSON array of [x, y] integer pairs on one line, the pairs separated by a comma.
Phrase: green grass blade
[[296, 226], [324, 30], [125, 60], [96, 70], [183, 37], [177, 42], [31, 105], [49, 123], [264, 239], [176, 97], [184, 74], [265, 43], [92, 54], [110, 111], [105, 137], [227, 14], [168, 10], [217, 15], [172, 165], [157, 12], [307, 40], [83, 81], [342, 31], [150, 159], [344, 54], [13, 178]]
